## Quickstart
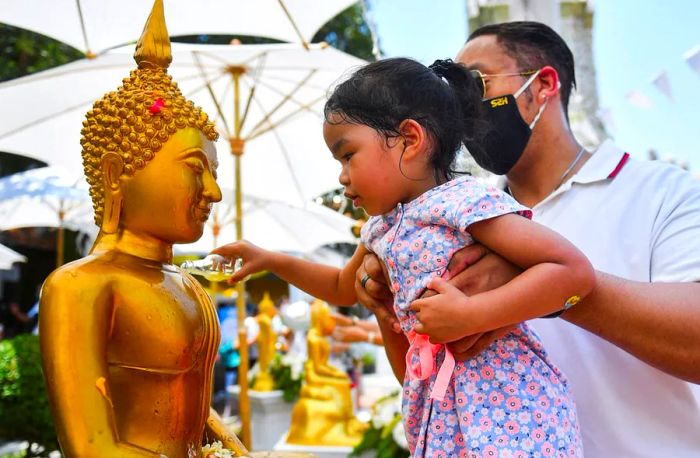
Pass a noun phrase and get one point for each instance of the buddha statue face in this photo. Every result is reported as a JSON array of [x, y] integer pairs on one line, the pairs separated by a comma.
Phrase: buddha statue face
[[171, 197]]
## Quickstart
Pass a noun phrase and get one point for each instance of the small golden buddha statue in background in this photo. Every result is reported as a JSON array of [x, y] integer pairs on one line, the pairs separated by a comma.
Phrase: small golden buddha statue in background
[[128, 340], [323, 415], [267, 340]]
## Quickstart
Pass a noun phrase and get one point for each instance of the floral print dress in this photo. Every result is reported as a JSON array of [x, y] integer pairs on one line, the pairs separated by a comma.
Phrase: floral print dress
[[510, 400]]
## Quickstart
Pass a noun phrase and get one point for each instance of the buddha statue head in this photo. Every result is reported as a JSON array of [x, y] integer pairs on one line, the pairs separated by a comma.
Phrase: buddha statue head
[[148, 153], [267, 306], [321, 318]]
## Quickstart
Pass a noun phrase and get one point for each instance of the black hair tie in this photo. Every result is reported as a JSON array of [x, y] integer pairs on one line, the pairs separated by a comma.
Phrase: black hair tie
[[441, 67]]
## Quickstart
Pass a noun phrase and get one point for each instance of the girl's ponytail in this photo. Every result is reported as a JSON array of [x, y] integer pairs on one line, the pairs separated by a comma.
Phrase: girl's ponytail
[[444, 99], [472, 123]]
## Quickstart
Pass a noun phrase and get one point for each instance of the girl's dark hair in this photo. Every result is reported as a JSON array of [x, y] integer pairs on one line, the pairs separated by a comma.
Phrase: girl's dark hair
[[443, 98]]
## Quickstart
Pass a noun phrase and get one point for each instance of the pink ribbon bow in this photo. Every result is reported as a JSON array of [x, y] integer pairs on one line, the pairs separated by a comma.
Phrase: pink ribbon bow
[[425, 367]]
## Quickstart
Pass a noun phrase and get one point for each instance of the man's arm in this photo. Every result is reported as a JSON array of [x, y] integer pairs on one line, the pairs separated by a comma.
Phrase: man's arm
[[659, 323]]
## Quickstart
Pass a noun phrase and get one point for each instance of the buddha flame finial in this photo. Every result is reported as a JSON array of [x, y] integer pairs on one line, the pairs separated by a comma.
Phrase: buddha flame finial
[[153, 48]]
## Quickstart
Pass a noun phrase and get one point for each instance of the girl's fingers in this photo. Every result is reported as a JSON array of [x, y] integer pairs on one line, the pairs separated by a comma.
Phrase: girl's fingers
[[440, 285], [241, 273], [415, 305], [227, 251]]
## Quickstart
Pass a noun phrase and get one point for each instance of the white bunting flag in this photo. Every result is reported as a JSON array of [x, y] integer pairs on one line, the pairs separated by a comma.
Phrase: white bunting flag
[[693, 58], [663, 84], [639, 100]]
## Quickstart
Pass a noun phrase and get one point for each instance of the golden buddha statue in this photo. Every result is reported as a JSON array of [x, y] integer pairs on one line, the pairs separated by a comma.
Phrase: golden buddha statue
[[323, 415], [267, 340], [128, 341]]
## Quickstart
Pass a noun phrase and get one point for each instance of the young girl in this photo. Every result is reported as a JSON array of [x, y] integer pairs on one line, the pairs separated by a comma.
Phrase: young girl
[[395, 127]]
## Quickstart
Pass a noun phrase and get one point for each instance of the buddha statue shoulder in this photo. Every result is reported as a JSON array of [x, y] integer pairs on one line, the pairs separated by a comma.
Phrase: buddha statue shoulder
[[128, 340]]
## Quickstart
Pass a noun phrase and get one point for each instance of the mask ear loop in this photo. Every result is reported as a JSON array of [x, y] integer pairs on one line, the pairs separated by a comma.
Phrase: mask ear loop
[[541, 110], [522, 89], [539, 113], [527, 84]]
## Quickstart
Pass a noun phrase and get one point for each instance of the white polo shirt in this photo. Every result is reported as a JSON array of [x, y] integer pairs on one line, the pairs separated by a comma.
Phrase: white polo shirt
[[638, 220]]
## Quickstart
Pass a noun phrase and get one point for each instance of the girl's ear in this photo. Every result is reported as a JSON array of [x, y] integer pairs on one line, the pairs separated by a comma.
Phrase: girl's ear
[[415, 139]]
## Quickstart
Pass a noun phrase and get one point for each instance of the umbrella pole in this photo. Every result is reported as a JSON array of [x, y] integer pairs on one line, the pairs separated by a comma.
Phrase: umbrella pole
[[59, 240], [237, 146]]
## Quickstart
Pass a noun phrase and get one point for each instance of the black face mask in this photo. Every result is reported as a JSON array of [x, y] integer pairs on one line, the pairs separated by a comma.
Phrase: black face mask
[[508, 134]]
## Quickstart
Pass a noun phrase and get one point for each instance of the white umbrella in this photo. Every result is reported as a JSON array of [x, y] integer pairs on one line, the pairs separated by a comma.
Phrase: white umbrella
[[285, 156], [9, 257], [94, 26], [46, 197], [274, 225]]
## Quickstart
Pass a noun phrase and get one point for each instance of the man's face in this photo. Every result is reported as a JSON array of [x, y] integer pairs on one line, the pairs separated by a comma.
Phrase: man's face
[[485, 54]]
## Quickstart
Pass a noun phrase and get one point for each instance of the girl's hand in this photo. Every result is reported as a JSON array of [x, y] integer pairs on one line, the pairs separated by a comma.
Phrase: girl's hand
[[255, 259], [442, 316]]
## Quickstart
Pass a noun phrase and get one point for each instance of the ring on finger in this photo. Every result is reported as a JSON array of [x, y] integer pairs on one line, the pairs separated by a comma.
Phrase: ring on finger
[[364, 280]]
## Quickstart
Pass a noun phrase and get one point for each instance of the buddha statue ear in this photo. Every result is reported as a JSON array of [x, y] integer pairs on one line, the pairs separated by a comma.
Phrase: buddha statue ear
[[112, 168]]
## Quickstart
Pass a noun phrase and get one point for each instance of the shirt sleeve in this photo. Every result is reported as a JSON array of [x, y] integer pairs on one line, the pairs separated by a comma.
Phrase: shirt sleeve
[[675, 244], [478, 202]]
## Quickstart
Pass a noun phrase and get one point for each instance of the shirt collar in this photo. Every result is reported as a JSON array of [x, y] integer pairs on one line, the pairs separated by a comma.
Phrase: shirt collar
[[605, 164]]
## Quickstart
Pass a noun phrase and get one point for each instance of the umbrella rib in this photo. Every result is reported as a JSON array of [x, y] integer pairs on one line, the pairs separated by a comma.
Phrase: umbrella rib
[[58, 72], [281, 93], [251, 93], [284, 100], [211, 92], [271, 125], [41, 120], [287, 160], [82, 28], [294, 25], [319, 87]]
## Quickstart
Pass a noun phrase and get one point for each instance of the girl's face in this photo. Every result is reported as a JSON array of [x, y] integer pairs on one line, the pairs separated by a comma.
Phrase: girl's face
[[370, 166]]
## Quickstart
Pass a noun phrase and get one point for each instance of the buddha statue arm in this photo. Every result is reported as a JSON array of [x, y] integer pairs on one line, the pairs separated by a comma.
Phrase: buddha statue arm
[[76, 312], [216, 429]]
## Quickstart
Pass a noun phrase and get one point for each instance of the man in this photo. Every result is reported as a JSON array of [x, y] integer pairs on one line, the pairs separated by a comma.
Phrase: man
[[631, 350]]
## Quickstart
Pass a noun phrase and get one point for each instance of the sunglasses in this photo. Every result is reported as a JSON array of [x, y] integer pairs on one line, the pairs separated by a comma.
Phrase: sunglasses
[[481, 78]]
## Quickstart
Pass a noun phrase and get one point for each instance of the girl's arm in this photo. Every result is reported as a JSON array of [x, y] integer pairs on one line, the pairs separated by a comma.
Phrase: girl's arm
[[327, 283], [396, 347], [554, 272]]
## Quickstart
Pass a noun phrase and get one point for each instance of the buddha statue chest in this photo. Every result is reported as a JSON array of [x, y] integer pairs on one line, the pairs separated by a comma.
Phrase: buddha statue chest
[[167, 326]]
